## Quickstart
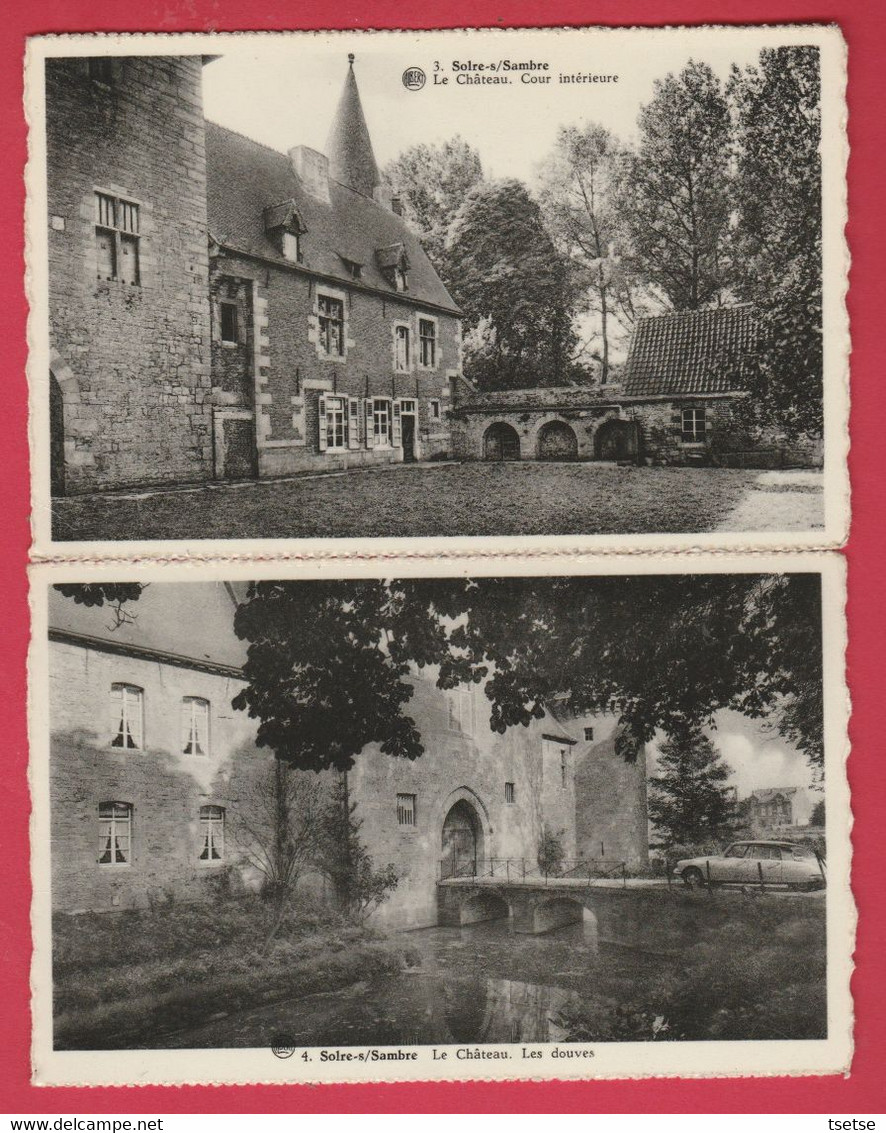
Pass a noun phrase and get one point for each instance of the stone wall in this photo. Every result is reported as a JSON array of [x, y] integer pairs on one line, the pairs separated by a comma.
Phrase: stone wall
[[130, 358], [533, 414], [291, 372], [165, 787], [611, 816]]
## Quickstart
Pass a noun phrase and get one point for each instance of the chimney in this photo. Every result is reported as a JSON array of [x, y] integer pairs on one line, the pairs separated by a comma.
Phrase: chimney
[[312, 169]]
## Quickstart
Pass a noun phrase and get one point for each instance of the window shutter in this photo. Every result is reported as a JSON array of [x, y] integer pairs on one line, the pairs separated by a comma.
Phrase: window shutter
[[353, 422], [321, 423], [397, 438], [370, 436]]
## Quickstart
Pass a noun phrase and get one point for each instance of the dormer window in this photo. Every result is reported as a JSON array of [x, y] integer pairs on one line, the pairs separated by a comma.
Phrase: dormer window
[[394, 264], [353, 267], [284, 228]]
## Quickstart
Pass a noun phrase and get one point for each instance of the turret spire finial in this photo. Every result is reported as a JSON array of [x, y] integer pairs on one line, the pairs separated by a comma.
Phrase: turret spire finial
[[351, 58]]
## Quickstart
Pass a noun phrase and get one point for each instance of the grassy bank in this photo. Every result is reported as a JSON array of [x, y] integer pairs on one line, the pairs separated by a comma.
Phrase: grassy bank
[[125, 979]]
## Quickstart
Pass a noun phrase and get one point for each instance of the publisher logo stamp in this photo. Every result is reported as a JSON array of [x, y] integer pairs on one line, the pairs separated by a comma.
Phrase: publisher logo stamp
[[413, 78], [283, 1046]]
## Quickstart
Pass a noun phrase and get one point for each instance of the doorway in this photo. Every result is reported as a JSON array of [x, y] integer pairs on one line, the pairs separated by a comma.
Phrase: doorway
[[556, 441], [462, 840], [408, 437], [501, 442]]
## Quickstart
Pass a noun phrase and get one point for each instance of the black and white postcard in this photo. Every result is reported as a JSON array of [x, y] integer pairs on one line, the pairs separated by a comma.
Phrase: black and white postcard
[[573, 288], [293, 826]]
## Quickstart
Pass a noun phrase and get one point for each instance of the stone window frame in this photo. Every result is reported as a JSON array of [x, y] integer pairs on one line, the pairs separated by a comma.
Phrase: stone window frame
[[696, 433], [434, 323], [407, 809], [460, 707], [121, 231], [435, 409], [314, 333], [589, 735], [396, 329], [193, 710], [212, 819], [113, 828], [125, 738], [510, 793]]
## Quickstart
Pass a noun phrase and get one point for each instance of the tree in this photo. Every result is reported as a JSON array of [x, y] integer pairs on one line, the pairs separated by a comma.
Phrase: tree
[[578, 202], [432, 182], [817, 816], [514, 288], [688, 801], [275, 824], [98, 594], [330, 664], [674, 190], [343, 858], [777, 194]]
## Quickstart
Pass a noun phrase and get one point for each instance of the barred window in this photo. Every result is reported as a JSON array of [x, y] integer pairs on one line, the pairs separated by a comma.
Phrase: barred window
[[331, 317], [212, 833], [406, 810], [401, 348], [117, 239], [693, 426], [589, 733], [435, 409], [114, 833], [195, 725], [127, 704], [427, 343], [510, 794]]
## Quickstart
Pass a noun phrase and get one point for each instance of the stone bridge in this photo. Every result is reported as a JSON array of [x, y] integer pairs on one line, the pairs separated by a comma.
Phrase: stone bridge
[[533, 906]]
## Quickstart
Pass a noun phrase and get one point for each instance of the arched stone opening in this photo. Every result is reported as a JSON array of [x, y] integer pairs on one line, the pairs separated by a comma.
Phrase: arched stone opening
[[617, 439], [501, 442], [554, 914], [557, 441], [484, 907], [462, 840]]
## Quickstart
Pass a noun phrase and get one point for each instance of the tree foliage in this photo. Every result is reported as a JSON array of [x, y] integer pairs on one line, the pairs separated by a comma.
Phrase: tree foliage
[[514, 288], [433, 181], [115, 595], [688, 799], [330, 665], [674, 194], [777, 197], [578, 197]]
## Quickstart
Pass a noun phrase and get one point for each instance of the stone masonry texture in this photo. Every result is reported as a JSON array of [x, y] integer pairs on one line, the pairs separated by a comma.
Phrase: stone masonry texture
[[131, 359]]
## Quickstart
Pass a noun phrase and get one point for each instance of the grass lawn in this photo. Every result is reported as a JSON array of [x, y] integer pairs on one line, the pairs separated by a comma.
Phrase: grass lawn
[[429, 500]]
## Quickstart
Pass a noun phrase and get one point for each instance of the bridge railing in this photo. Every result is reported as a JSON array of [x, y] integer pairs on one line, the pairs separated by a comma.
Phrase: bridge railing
[[514, 870]]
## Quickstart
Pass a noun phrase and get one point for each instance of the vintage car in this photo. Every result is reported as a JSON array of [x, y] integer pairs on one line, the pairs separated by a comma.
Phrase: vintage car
[[772, 863]]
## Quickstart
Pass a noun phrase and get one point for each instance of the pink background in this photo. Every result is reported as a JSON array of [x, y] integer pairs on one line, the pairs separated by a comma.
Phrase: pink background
[[863, 1090]]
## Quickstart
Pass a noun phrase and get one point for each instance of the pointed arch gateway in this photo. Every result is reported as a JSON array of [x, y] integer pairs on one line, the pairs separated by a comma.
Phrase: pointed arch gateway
[[464, 833]]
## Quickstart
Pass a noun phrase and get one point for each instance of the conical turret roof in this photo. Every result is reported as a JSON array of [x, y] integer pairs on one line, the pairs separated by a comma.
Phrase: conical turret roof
[[349, 147]]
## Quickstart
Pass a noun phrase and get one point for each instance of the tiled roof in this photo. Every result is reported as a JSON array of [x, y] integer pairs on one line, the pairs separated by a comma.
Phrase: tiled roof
[[764, 793], [349, 147], [246, 178], [689, 353]]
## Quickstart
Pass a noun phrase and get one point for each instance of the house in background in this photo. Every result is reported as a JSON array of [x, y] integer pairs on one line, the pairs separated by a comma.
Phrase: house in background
[[153, 774], [774, 810], [219, 310]]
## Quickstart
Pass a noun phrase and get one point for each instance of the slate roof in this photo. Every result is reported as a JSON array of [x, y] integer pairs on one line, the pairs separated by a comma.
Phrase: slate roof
[[244, 178], [689, 353], [763, 794], [349, 147]]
